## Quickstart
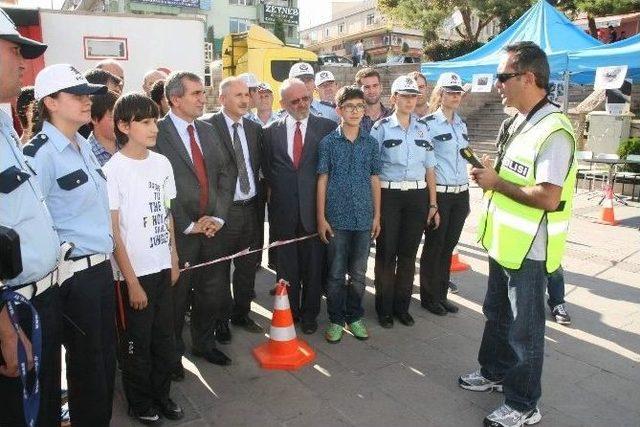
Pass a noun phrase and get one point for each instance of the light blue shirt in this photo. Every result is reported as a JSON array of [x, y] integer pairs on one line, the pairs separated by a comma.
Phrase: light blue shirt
[[22, 209], [320, 109], [406, 154], [448, 139], [75, 190], [239, 195]]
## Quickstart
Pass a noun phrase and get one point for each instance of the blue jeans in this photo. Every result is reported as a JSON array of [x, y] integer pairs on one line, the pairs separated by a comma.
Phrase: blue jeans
[[512, 348], [555, 288], [347, 252]]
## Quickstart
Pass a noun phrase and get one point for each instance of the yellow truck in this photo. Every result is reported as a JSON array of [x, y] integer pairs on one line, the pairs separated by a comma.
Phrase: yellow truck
[[259, 52]]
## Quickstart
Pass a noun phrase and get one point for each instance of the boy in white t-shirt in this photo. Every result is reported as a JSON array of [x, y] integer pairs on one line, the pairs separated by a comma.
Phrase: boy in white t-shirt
[[141, 185]]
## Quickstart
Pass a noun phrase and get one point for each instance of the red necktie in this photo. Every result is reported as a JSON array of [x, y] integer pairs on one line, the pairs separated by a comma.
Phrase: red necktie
[[297, 146], [200, 168]]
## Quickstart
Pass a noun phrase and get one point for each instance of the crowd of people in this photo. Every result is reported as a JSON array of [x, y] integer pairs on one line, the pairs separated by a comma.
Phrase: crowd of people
[[124, 192]]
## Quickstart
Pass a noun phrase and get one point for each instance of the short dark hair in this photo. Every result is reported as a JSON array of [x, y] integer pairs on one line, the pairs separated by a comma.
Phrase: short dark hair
[[101, 104], [24, 104], [415, 75], [174, 85], [101, 77], [132, 107], [527, 56], [157, 91], [347, 93], [366, 72]]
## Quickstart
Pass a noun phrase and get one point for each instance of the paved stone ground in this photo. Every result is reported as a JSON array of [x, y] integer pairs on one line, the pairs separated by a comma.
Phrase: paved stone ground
[[407, 376]]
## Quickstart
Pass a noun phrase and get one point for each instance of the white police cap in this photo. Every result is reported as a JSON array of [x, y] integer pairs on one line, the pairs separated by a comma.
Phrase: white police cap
[[64, 78], [324, 76], [300, 69], [264, 87], [450, 81], [28, 48], [405, 85], [250, 79]]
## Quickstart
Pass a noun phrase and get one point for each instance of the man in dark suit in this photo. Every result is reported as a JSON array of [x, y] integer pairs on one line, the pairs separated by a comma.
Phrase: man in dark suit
[[290, 148], [241, 138], [205, 186]]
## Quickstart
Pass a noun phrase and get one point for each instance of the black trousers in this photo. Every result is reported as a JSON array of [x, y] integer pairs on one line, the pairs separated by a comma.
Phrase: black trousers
[[47, 304], [89, 337], [403, 218], [302, 264], [239, 232], [435, 260], [147, 343]]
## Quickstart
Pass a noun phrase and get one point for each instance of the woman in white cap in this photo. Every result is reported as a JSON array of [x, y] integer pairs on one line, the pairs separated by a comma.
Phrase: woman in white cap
[[407, 172], [448, 132], [74, 188]]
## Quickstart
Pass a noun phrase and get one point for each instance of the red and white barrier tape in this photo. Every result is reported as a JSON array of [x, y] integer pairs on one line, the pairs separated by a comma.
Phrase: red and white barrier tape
[[248, 251]]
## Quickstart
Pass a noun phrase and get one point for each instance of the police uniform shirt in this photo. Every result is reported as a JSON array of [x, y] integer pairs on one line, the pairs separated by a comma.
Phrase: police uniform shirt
[[254, 117], [406, 154], [74, 188], [22, 209], [324, 109], [448, 139]]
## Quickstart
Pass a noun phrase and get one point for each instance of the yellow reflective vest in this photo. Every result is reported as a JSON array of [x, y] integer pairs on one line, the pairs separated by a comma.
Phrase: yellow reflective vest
[[507, 228]]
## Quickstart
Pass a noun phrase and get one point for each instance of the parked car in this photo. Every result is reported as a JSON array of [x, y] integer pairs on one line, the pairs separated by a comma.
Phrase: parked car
[[401, 59], [334, 60]]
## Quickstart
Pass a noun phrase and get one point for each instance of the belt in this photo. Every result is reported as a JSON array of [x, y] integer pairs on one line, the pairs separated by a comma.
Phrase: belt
[[403, 185], [76, 265], [452, 188], [245, 202], [43, 284]]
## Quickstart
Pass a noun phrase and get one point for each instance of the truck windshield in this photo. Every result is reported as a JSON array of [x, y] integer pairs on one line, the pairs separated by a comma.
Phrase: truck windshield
[[280, 68]]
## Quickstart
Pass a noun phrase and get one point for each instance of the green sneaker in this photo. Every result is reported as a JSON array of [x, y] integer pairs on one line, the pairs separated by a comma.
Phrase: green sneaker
[[359, 330], [333, 334]]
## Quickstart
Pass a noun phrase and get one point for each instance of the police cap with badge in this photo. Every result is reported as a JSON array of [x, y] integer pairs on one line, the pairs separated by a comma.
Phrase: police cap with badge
[[450, 82], [404, 85], [324, 76], [301, 70]]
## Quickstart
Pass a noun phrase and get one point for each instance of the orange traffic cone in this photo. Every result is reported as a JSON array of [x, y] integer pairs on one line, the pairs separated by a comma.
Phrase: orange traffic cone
[[283, 350], [607, 216], [456, 264]]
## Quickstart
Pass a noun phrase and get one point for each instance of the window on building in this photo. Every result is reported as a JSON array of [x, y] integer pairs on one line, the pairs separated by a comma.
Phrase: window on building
[[326, 32], [341, 28], [243, 2], [239, 25], [370, 19], [290, 32]]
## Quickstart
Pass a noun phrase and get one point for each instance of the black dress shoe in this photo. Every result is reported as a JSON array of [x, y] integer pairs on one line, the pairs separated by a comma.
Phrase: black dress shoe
[[449, 306], [309, 327], [405, 319], [178, 373], [170, 409], [222, 332], [386, 321], [435, 308], [248, 324], [214, 356]]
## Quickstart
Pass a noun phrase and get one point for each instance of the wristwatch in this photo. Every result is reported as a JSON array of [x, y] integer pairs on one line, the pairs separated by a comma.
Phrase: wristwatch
[[433, 206]]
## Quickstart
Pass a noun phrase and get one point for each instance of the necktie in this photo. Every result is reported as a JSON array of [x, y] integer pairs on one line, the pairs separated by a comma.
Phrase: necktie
[[297, 146], [200, 168], [243, 176]]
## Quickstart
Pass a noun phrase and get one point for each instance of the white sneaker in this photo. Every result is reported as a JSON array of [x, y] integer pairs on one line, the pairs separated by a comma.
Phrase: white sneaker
[[506, 416], [561, 315], [474, 381]]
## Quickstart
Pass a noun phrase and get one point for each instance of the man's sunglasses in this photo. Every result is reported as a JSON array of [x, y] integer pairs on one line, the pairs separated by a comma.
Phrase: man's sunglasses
[[304, 99], [503, 77]]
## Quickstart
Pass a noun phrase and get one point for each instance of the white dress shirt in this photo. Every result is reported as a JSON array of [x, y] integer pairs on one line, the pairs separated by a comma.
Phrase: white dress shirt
[[181, 126], [239, 195], [291, 129]]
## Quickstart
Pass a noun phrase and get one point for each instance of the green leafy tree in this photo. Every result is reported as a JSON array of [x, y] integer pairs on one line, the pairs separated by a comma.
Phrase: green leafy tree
[[594, 8], [278, 30], [429, 15]]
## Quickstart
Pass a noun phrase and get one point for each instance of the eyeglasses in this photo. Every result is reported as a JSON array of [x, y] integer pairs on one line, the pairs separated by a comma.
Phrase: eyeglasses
[[297, 101], [351, 108], [503, 77]]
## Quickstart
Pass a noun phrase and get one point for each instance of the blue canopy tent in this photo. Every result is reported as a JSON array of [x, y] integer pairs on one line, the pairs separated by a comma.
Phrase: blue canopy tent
[[582, 64], [541, 24]]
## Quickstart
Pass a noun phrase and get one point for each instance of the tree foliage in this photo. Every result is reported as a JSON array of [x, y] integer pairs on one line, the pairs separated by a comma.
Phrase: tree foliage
[[595, 8], [429, 15]]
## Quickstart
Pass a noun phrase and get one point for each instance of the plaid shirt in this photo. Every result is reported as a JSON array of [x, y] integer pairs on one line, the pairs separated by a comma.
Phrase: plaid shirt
[[367, 123], [98, 150]]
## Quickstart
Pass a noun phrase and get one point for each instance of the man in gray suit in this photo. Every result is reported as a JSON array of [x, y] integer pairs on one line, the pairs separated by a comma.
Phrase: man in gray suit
[[241, 137], [290, 159], [205, 184]]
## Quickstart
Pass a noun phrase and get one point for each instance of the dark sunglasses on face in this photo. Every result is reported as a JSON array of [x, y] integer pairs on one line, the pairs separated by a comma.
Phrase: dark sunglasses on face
[[297, 101], [503, 77]]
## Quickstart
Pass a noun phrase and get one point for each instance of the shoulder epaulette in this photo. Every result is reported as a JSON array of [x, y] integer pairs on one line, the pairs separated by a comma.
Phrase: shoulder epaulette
[[328, 104], [35, 144], [380, 122], [428, 117]]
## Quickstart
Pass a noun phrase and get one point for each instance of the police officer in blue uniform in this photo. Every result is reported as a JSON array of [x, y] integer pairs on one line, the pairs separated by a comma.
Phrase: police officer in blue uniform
[[327, 88], [23, 211], [449, 134], [304, 72], [407, 172], [74, 188]]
